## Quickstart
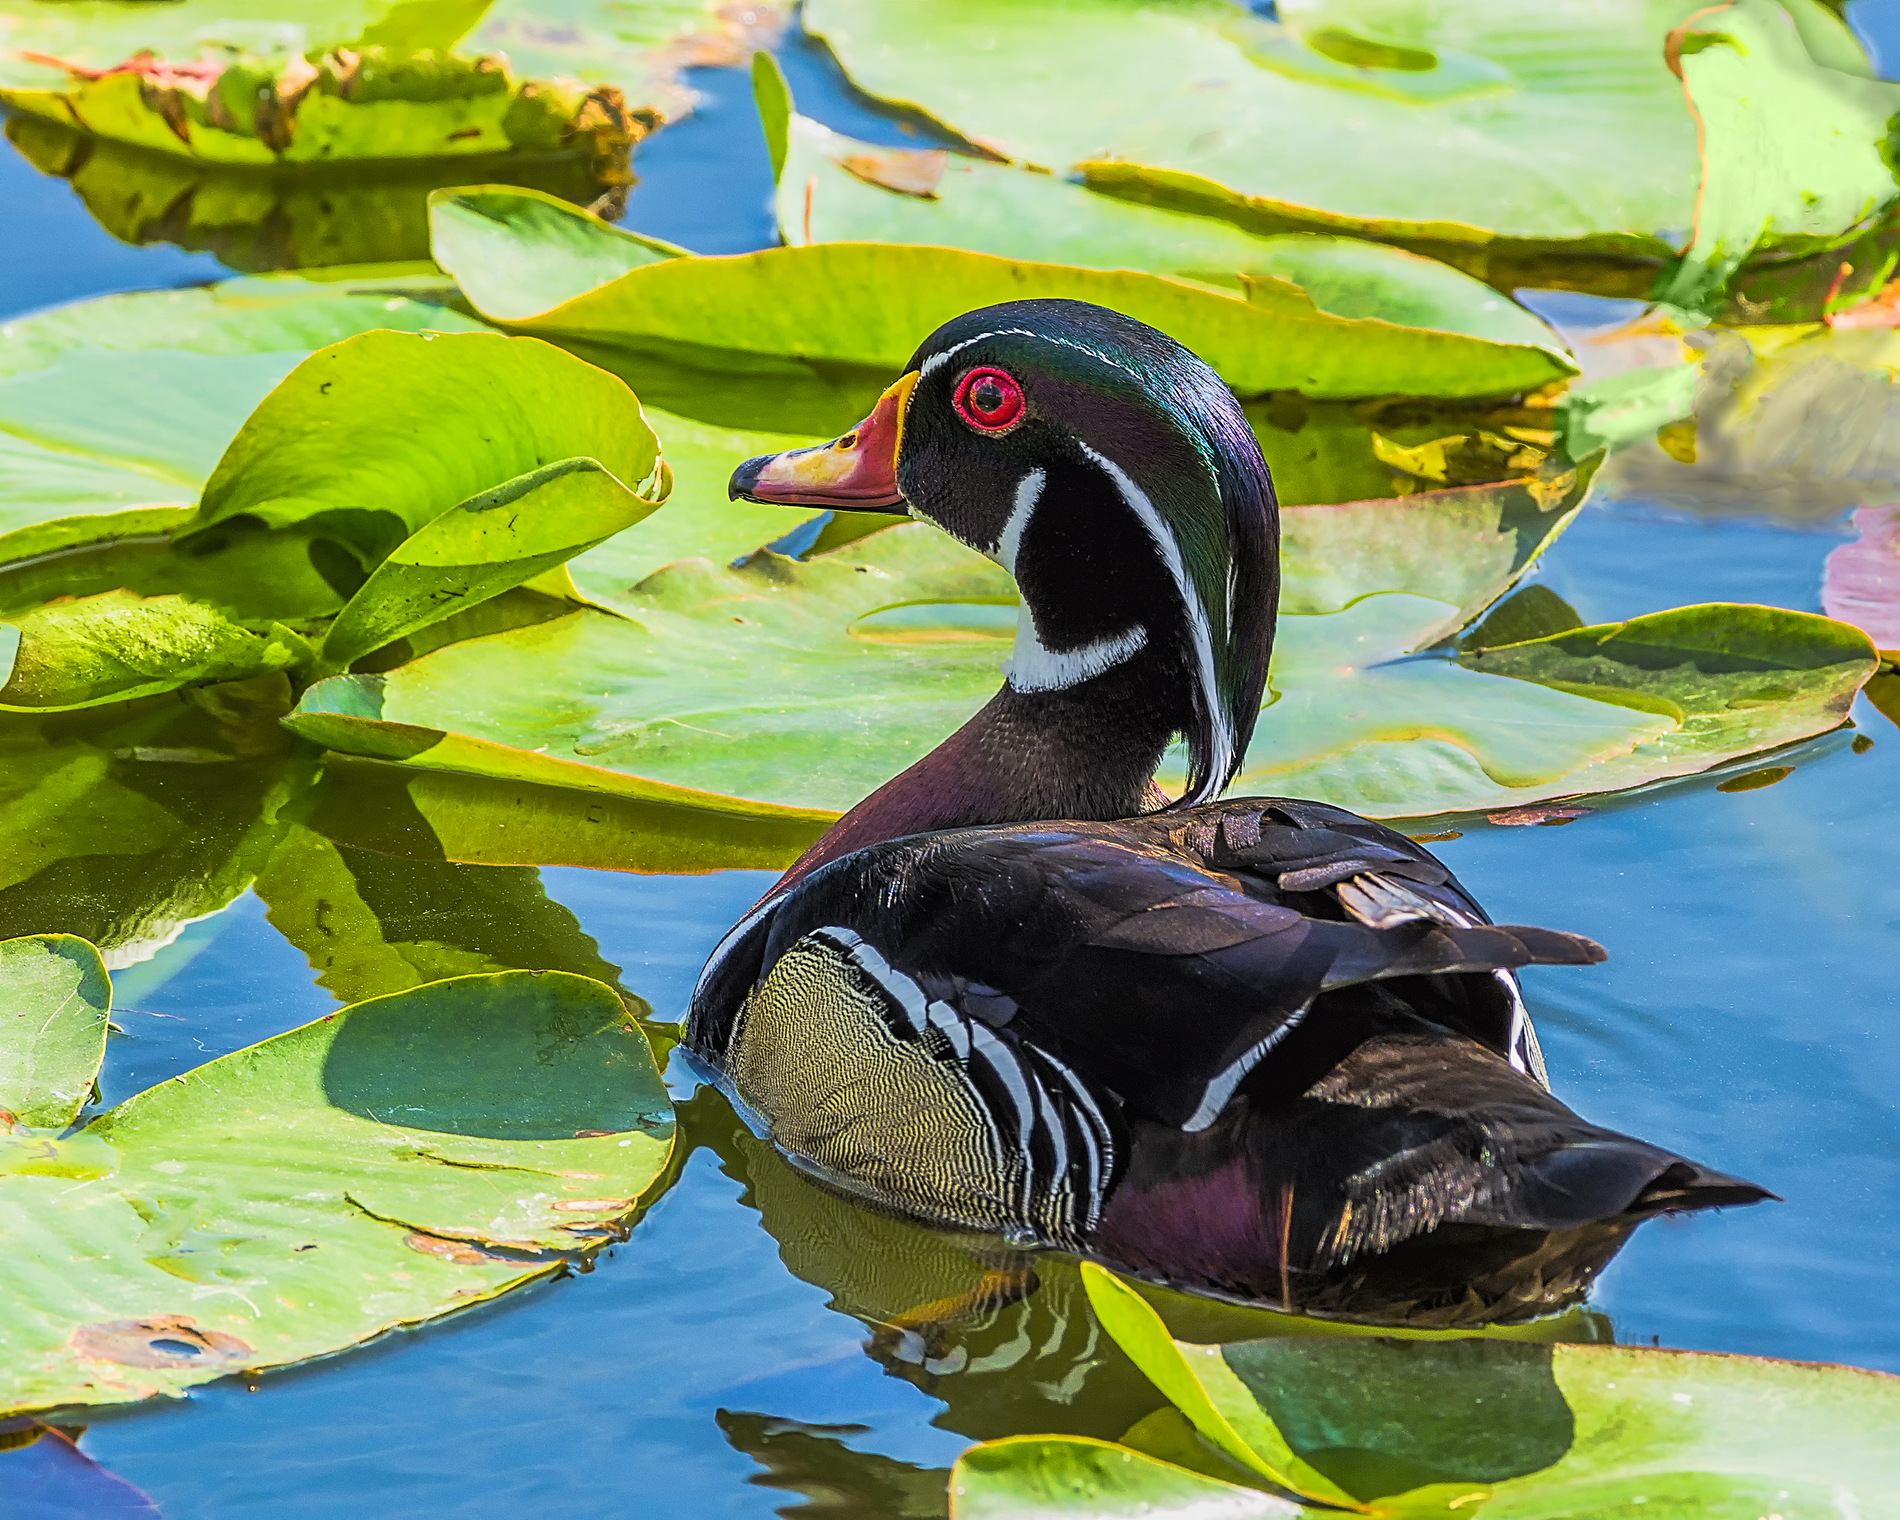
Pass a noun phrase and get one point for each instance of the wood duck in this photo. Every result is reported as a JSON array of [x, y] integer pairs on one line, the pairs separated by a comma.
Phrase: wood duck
[[1263, 1049]]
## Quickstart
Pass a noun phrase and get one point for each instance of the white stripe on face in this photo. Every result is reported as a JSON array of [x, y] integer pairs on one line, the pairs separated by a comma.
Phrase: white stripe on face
[[1198, 631], [1033, 666]]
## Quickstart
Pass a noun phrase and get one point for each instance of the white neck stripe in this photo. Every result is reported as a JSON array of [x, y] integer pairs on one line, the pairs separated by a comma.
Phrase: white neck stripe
[[1138, 502]]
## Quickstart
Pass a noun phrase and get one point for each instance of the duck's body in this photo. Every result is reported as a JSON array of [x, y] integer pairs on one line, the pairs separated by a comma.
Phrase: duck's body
[[1262, 1048]]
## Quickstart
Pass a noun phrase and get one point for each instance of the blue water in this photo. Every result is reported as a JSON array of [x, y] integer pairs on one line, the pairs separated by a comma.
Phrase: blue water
[[1747, 1017]]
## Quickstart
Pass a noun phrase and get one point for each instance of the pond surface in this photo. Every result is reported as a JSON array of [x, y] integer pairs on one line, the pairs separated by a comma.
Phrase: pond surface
[[740, 1350]]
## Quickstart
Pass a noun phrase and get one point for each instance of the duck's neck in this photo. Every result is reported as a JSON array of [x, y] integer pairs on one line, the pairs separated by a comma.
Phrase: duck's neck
[[1086, 752]]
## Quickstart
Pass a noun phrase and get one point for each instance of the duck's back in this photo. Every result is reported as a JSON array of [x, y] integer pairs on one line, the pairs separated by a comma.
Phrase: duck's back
[[1264, 1048]]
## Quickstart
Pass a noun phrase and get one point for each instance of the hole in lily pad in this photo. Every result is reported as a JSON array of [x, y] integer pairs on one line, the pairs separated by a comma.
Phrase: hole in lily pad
[[162, 1340]]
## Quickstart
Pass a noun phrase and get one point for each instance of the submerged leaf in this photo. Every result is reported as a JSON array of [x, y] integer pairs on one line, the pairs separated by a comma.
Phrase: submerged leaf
[[378, 1167], [866, 305], [54, 999]]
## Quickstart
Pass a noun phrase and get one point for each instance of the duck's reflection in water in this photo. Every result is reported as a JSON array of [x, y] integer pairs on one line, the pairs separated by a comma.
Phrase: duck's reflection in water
[[1004, 1338]]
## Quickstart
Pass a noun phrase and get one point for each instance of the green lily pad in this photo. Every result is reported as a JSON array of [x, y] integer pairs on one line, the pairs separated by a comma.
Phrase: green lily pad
[[807, 684], [1585, 1429], [1796, 154], [128, 401], [119, 646], [1055, 1477], [865, 306], [1492, 137], [382, 1166], [52, 1027], [836, 190]]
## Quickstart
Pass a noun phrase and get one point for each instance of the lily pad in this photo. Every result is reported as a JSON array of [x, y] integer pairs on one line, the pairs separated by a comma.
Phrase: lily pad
[[807, 684], [120, 646], [349, 104], [1056, 1477], [837, 190], [1494, 138], [1796, 153], [1591, 1429], [864, 305], [382, 1166], [52, 1027]]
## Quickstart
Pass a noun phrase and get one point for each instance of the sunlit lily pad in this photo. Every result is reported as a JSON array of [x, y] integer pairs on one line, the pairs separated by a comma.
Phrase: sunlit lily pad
[[54, 998], [1489, 135], [829, 192], [1536, 1431], [807, 684], [866, 305], [382, 1166]]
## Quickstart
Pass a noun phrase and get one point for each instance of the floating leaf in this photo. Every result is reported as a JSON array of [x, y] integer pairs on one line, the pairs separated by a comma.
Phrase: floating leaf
[[54, 998], [1591, 1429], [1057, 1477], [808, 684], [1795, 153], [865, 305], [830, 193], [379, 1167], [343, 105], [119, 646], [1525, 146], [129, 400]]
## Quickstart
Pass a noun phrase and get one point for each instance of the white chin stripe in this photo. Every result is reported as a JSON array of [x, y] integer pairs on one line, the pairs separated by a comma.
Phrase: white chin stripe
[[1034, 668]]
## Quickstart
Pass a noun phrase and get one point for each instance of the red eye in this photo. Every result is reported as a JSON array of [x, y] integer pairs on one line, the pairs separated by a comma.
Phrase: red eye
[[989, 400]]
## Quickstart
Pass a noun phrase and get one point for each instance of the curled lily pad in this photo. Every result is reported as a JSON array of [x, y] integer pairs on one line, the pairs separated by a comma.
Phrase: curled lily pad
[[864, 305], [1795, 151], [257, 219], [1590, 1429], [346, 104], [52, 1027], [119, 646], [382, 1166]]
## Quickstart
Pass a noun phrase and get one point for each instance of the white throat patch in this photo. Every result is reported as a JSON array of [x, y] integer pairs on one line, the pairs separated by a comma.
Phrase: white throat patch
[[1033, 666]]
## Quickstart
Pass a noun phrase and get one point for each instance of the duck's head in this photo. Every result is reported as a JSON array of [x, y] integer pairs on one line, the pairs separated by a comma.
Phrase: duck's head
[[1112, 473]]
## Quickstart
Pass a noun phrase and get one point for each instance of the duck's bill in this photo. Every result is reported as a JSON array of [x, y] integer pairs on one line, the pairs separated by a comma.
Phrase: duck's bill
[[857, 472]]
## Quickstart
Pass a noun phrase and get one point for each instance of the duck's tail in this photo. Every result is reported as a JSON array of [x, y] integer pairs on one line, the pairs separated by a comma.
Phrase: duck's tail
[[1423, 1181]]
